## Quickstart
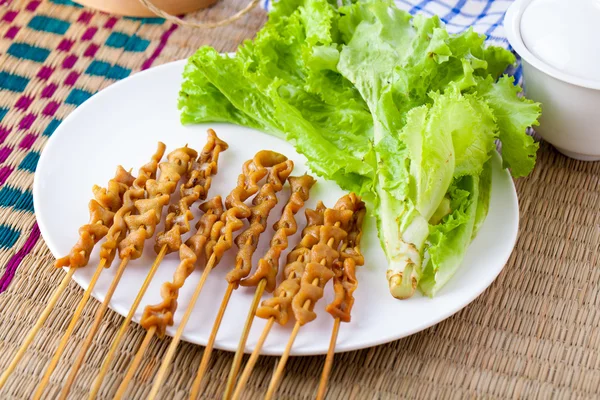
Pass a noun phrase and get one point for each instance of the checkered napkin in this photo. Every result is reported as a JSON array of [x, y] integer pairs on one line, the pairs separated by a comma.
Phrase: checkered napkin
[[485, 16]]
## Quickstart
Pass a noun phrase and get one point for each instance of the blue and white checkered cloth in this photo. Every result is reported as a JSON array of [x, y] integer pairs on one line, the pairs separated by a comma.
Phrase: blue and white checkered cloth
[[485, 16]]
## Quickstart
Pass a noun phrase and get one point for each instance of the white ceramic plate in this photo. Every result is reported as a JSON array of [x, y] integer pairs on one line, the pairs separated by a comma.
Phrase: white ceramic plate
[[122, 124]]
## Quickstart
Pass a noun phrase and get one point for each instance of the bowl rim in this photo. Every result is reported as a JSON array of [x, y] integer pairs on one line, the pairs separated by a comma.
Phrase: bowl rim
[[512, 28]]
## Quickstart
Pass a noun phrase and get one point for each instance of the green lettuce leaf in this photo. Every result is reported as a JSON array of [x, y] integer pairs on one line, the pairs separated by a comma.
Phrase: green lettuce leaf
[[386, 105], [201, 101], [472, 127], [514, 115], [276, 116], [411, 74], [448, 241], [485, 193], [272, 88]]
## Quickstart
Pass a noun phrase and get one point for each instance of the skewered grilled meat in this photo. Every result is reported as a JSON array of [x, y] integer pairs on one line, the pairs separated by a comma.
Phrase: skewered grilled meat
[[102, 213], [141, 225], [262, 204], [279, 306], [268, 266]]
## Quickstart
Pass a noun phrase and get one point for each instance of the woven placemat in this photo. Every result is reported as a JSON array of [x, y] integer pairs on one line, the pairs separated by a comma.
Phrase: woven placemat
[[533, 334]]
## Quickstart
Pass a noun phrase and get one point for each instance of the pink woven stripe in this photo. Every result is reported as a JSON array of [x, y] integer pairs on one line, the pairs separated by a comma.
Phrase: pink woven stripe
[[4, 174], [13, 263], [4, 153], [28, 119], [163, 42]]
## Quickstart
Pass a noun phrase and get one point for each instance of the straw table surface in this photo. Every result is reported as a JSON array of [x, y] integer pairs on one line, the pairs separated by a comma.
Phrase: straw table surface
[[535, 333]]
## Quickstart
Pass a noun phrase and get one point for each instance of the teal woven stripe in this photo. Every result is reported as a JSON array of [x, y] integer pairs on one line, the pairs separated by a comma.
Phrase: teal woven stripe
[[12, 82], [28, 52], [102, 68], [117, 39], [66, 3], [77, 96], [19, 200], [51, 127], [48, 24], [3, 112], [118, 72], [98, 68], [8, 237], [147, 21], [129, 43], [30, 161]]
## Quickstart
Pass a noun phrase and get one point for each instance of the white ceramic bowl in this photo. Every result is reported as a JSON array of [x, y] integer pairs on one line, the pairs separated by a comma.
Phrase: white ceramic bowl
[[570, 100]]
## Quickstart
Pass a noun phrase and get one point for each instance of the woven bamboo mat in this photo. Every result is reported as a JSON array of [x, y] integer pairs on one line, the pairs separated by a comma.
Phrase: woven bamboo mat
[[535, 333]]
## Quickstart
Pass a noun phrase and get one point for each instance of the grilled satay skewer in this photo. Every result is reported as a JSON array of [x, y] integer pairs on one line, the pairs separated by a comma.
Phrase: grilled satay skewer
[[221, 240], [132, 194], [314, 278], [102, 209], [199, 179], [344, 282], [247, 241], [265, 276], [171, 174], [278, 308], [198, 184], [158, 317]]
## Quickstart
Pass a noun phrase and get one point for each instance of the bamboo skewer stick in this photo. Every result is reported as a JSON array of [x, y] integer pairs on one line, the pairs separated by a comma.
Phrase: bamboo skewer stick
[[286, 290], [205, 226], [176, 339], [134, 192], [328, 360], [38, 325], [97, 321], [322, 255], [286, 353], [253, 359], [101, 208], [135, 363], [153, 329], [90, 336], [268, 266], [239, 354], [146, 342], [115, 344], [196, 385], [199, 172], [247, 241], [344, 283], [221, 240], [63, 342]]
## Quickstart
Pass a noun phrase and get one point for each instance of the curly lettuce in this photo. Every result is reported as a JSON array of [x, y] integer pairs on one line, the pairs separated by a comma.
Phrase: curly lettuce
[[387, 105]]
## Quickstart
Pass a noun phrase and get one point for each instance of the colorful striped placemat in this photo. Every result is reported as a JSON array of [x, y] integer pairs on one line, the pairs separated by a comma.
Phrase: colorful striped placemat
[[54, 56], [535, 333]]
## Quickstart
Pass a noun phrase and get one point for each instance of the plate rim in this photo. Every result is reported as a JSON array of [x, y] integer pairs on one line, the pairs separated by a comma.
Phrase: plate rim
[[297, 351]]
